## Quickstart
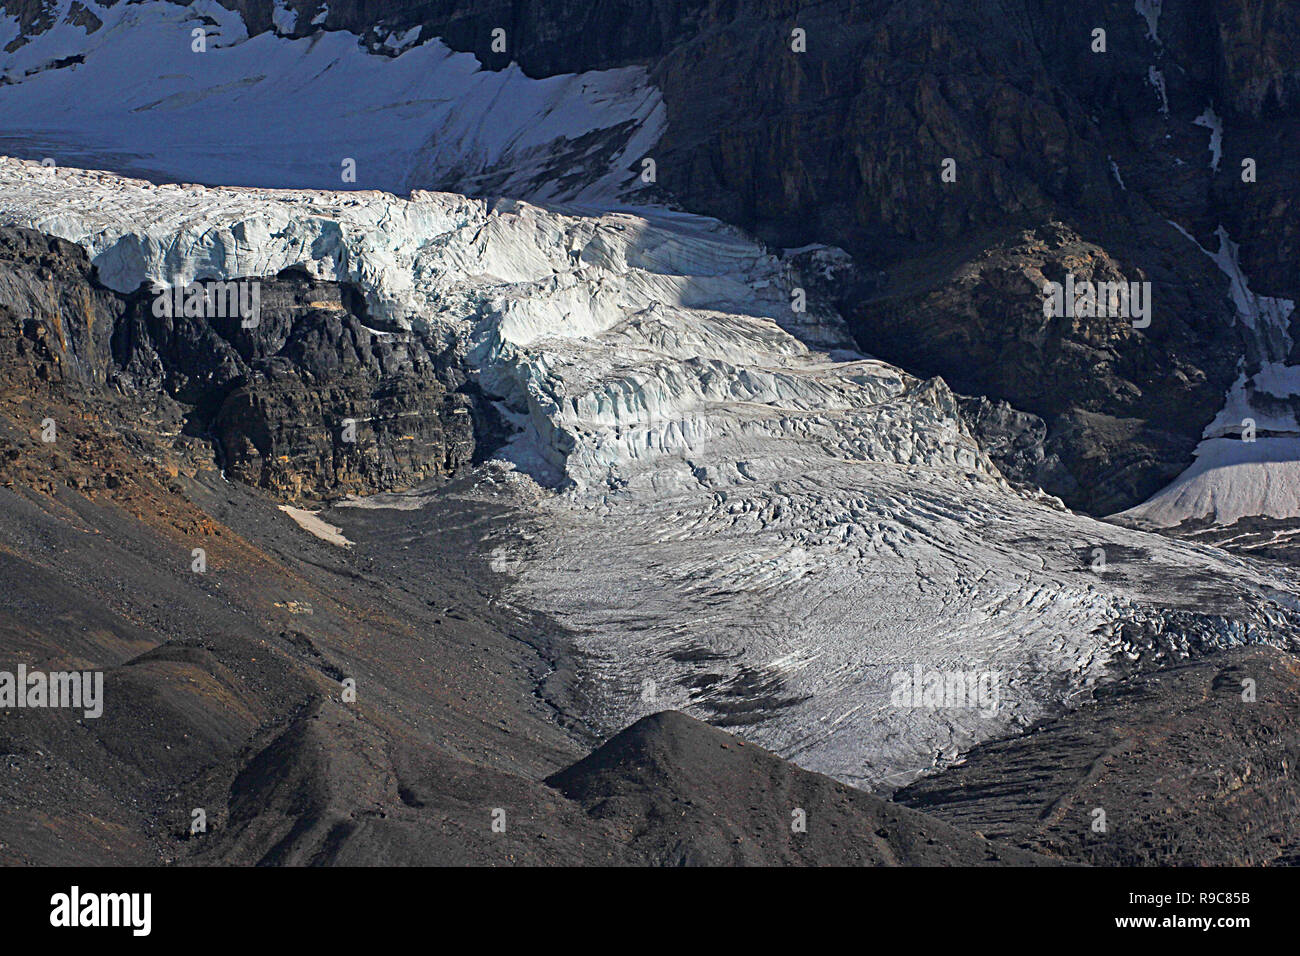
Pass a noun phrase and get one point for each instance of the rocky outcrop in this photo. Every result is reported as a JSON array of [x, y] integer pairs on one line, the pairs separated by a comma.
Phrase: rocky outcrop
[[1121, 405], [310, 401], [1016, 442]]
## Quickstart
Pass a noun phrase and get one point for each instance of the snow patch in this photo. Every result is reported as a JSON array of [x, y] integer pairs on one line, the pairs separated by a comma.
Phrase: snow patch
[[1150, 11], [1114, 169], [1211, 121], [1231, 479], [285, 18], [397, 43], [10, 30], [309, 522]]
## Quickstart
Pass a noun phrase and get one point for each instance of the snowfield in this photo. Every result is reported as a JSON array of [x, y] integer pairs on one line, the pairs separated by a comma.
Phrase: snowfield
[[738, 515], [281, 112]]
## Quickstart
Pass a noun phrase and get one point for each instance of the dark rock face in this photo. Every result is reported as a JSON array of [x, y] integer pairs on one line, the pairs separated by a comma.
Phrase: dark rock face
[[310, 401], [55, 315], [545, 38], [1123, 407], [1185, 768], [1016, 441]]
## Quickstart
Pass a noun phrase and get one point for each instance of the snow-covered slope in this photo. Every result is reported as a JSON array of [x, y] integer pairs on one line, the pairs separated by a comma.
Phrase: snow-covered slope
[[734, 522], [132, 94]]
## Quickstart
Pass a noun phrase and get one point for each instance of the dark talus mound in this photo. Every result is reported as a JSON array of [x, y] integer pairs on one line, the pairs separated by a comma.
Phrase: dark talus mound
[[685, 793], [223, 688], [1183, 768], [309, 401]]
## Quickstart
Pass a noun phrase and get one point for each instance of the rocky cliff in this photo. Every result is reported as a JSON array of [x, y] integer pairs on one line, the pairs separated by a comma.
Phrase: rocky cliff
[[311, 401], [1195, 763]]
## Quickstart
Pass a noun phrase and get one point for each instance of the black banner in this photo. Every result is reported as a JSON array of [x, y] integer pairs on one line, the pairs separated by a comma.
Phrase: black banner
[[331, 906]]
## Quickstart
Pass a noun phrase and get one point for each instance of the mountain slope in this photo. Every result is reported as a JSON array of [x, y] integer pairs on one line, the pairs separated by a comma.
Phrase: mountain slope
[[1194, 764], [764, 477]]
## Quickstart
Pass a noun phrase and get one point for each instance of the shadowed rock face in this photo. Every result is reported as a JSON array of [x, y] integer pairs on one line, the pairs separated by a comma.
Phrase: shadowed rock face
[[1186, 771], [308, 402], [1120, 405]]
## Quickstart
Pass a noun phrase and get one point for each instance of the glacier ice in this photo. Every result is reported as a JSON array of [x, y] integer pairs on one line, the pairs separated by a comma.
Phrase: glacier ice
[[733, 522]]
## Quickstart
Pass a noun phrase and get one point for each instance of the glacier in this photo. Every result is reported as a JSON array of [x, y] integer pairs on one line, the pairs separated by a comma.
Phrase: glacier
[[737, 514]]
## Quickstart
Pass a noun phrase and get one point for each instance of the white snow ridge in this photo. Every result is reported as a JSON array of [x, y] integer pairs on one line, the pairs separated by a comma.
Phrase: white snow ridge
[[737, 514]]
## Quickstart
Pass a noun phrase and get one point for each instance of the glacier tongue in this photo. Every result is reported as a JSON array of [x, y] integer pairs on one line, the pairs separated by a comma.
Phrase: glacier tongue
[[734, 523]]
